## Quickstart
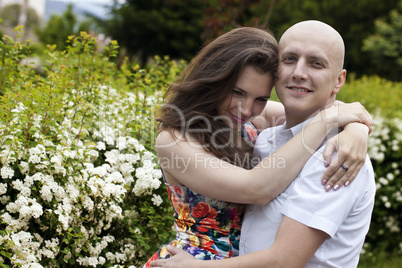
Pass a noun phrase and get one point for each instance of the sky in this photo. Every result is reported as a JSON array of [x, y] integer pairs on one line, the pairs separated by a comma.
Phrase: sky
[[93, 7], [97, 1]]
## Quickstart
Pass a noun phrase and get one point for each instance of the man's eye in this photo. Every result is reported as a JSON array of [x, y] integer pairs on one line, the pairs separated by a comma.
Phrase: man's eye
[[318, 64], [288, 59]]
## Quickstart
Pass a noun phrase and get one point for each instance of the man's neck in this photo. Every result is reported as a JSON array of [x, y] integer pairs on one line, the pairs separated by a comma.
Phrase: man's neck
[[293, 119]]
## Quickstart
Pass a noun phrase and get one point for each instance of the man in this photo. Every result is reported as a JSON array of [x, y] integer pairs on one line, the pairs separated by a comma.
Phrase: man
[[305, 226]]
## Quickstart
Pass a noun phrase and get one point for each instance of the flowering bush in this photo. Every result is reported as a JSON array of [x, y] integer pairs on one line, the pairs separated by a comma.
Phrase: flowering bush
[[385, 143], [79, 182], [383, 100]]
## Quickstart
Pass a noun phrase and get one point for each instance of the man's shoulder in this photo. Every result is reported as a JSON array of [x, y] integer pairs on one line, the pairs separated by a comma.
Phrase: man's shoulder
[[270, 130], [365, 179]]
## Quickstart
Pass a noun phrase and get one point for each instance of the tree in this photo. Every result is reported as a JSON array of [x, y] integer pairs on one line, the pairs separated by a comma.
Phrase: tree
[[58, 28], [353, 19], [385, 46], [157, 27], [222, 15], [11, 14]]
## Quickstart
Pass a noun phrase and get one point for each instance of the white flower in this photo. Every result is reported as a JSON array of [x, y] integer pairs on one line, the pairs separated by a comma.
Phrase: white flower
[[72, 191], [112, 156], [21, 238], [100, 171], [132, 158], [25, 166], [390, 176], [87, 203], [4, 199], [157, 200], [34, 151], [46, 193], [157, 174], [34, 159], [93, 153], [148, 156], [88, 261], [129, 179], [126, 169], [6, 172], [3, 188], [383, 181], [17, 184], [121, 143], [64, 222], [56, 159], [109, 140], [26, 191], [100, 146], [36, 210], [102, 260]]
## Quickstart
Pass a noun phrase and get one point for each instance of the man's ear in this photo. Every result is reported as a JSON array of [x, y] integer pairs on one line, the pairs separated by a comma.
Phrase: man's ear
[[339, 81]]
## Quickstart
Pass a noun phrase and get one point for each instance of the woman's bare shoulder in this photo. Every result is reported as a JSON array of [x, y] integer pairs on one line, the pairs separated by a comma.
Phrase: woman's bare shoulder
[[168, 136]]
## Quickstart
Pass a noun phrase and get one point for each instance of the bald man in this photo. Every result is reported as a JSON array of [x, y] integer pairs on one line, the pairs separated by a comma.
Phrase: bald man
[[305, 226]]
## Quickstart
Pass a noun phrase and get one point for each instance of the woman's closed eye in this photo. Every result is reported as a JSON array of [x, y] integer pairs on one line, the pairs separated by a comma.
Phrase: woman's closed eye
[[237, 92], [263, 99]]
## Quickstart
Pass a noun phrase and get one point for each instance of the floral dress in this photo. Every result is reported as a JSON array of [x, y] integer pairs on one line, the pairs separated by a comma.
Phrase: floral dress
[[207, 228]]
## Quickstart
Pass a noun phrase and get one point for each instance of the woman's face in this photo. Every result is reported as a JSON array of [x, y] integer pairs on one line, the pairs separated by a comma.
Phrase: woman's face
[[248, 98]]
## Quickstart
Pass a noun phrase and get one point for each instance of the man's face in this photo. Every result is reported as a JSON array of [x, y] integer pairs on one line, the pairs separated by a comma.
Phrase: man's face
[[309, 72]]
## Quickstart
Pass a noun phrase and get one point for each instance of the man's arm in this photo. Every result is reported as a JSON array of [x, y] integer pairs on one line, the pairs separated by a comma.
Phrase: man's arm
[[294, 245]]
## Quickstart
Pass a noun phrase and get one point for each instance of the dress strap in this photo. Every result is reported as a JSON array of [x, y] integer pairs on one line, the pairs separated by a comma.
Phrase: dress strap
[[249, 132], [163, 176]]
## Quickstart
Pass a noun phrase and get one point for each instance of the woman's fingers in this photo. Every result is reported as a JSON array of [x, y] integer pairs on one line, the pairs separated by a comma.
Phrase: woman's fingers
[[351, 149]]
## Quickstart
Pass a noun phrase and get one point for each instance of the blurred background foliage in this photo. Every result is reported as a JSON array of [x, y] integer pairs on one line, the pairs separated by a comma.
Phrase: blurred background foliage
[[372, 29], [179, 28]]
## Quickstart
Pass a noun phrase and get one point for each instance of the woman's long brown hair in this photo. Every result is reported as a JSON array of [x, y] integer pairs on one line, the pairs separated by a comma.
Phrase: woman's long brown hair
[[191, 104]]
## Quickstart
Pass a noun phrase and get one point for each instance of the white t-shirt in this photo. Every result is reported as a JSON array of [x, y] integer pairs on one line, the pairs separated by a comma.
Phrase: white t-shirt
[[344, 214]]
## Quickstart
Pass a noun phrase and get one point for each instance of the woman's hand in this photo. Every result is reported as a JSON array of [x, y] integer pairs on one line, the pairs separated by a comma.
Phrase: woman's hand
[[180, 258], [343, 114], [351, 147]]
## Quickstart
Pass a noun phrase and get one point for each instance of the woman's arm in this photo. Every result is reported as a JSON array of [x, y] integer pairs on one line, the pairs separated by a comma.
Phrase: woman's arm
[[186, 162], [272, 115], [352, 153]]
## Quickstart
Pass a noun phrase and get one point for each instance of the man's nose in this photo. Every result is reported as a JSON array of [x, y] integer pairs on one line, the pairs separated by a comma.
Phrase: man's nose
[[300, 70]]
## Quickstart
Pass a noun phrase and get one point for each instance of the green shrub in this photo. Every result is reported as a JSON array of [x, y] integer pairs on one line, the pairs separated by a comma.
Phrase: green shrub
[[385, 143], [79, 183], [383, 99], [377, 94]]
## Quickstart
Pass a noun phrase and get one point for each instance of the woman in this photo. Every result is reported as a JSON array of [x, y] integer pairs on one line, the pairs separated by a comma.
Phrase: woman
[[203, 158]]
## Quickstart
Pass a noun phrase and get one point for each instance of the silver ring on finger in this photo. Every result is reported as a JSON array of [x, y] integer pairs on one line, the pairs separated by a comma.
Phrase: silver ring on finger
[[345, 167]]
